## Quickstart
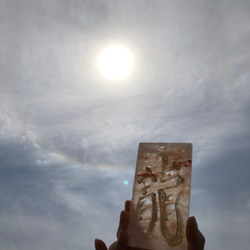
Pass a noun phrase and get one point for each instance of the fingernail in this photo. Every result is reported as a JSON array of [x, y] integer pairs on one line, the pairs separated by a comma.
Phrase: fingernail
[[119, 234], [195, 222], [195, 225], [124, 216], [122, 234]]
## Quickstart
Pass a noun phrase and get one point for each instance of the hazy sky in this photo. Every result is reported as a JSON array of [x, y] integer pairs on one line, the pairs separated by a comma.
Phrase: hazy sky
[[69, 136]]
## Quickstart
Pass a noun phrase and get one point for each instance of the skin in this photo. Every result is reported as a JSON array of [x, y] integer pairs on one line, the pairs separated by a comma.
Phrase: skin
[[195, 238]]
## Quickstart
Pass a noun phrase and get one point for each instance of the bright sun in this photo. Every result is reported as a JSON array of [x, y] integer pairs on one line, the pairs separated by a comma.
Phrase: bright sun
[[116, 62]]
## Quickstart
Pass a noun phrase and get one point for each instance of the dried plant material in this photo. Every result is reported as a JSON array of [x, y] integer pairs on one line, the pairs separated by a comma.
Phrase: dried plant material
[[161, 194]]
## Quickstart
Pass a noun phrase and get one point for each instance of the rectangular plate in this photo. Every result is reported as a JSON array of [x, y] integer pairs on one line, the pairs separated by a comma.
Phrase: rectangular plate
[[161, 196]]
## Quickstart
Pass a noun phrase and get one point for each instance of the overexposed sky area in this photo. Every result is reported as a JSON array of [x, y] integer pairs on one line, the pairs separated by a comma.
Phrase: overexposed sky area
[[69, 135]]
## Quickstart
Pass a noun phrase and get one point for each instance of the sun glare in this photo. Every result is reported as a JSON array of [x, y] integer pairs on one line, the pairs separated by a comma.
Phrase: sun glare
[[116, 62]]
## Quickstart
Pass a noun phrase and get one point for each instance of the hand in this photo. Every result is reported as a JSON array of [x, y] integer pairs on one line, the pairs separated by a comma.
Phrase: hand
[[122, 235], [195, 238]]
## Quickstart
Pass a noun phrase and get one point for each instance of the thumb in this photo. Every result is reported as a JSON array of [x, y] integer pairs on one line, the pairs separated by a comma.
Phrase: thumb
[[195, 238]]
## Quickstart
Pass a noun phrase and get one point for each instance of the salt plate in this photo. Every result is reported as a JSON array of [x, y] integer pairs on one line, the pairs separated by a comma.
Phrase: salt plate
[[161, 196]]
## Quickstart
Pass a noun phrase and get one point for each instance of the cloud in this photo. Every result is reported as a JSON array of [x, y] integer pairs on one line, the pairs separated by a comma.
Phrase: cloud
[[47, 198]]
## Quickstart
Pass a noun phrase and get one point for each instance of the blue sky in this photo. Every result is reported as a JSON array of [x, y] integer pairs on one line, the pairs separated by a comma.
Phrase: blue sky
[[69, 136]]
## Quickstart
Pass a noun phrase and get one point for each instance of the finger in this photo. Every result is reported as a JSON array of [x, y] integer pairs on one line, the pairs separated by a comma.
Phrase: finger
[[100, 245], [191, 229], [122, 240], [127, 205], [123, 223], [195, 238], [113, 246]]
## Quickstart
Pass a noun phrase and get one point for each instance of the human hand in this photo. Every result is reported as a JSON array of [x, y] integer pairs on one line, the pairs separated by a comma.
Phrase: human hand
[[122, 235], [195, 238]]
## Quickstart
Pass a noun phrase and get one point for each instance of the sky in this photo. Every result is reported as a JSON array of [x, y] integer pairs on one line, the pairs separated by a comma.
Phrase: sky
[[69, 136]]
